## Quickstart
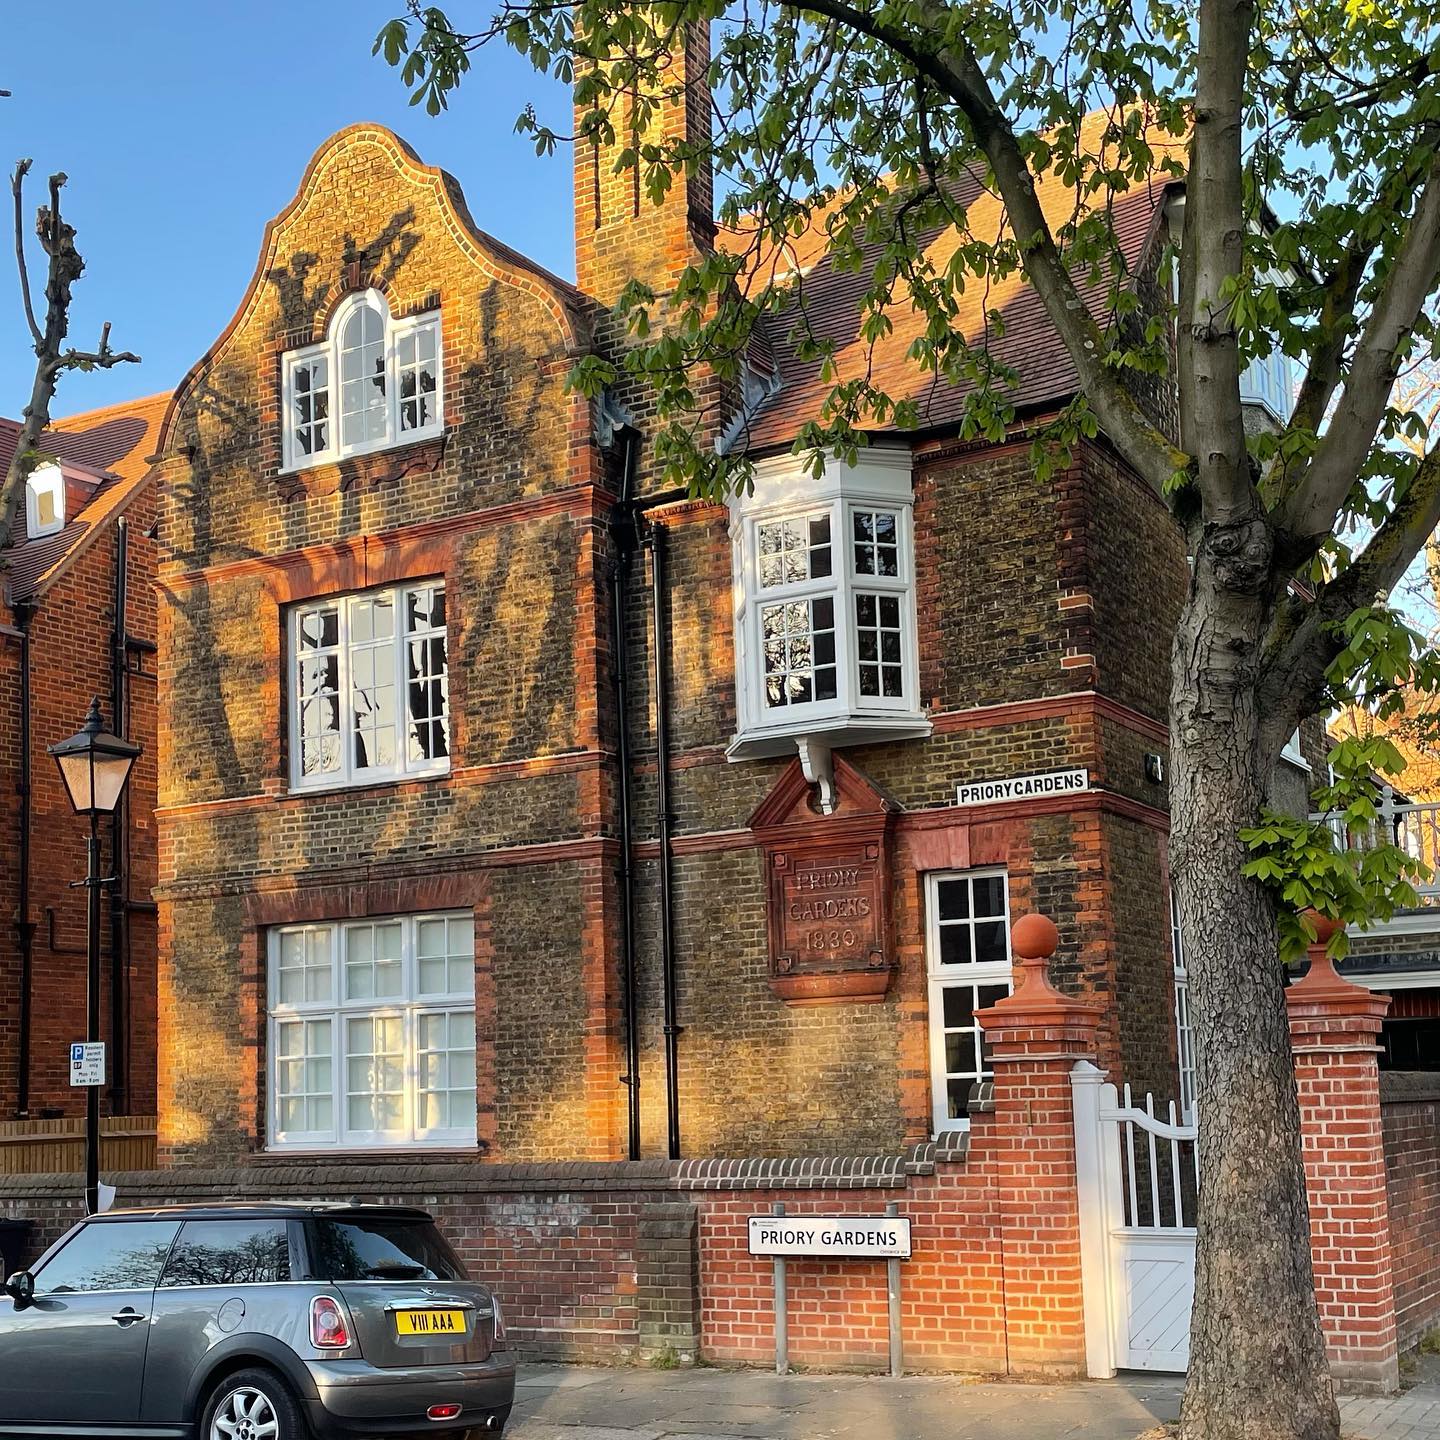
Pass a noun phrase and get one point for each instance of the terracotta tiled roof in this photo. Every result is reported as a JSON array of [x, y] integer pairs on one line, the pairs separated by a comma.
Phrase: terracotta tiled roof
[[107, 451], [827, 305]]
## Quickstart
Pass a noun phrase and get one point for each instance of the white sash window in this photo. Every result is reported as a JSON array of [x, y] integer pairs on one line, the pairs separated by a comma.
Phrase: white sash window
[[369, 687], [967, 943], [372, 1033]]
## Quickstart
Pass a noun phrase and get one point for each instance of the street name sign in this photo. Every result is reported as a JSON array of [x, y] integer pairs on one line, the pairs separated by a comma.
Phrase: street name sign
[[87, 1063], [881, 1237], [1023, 787]]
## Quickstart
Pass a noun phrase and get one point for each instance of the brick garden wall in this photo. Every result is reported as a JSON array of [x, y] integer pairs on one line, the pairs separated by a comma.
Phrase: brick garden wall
[[1410, 1114]]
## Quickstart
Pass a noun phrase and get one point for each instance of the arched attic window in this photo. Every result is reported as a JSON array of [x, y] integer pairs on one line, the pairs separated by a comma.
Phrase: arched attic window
[[371, 383]]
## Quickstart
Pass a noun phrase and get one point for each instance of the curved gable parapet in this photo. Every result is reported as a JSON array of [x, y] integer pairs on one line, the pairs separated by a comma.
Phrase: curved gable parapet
[[491, 258]]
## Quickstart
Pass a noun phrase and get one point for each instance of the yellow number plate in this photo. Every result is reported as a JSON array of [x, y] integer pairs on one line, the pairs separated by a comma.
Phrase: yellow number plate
[[430, 1322]]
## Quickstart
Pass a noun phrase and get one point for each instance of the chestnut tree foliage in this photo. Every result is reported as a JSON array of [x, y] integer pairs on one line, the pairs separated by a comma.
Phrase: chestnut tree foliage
[[1304, 132]]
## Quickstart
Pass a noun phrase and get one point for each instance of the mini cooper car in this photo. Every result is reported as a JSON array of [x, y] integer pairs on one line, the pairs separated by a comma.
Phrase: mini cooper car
[[253, 1322]]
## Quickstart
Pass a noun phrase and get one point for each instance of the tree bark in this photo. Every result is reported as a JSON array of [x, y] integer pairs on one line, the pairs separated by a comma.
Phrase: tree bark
[[1257, 1356]]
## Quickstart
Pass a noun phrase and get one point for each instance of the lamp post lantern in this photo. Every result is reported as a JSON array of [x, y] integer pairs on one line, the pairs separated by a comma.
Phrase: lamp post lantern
[[95, 766]]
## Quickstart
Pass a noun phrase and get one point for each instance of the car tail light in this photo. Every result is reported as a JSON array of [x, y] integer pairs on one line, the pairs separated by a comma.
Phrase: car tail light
[[328, 1330], [499, 1319], [443, 1412]]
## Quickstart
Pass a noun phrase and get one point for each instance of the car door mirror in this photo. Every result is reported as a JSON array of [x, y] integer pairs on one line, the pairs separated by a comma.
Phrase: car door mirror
[[21, 1287]]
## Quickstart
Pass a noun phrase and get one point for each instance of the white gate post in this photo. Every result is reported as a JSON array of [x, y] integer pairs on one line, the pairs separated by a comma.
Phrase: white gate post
[[1085, 1085]]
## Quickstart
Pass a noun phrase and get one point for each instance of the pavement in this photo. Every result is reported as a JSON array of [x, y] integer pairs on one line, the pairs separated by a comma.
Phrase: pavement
[[572, 1402]]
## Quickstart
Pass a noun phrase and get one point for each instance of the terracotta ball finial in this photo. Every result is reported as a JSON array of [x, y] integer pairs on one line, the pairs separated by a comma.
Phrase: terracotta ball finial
[[1034, 937]]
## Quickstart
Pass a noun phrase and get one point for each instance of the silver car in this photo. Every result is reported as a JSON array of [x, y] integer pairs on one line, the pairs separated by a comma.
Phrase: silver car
[[253, 1322]]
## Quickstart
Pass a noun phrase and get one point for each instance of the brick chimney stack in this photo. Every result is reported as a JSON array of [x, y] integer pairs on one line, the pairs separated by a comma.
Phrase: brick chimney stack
[[620, 234]]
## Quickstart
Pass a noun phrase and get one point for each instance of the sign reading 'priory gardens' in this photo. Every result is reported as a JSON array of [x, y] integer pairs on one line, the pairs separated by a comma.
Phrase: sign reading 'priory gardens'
[[881, 1237], [1022, 787]]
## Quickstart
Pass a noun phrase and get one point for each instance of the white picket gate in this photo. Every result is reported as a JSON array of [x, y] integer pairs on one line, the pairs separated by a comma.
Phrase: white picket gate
[[1138, 1181]]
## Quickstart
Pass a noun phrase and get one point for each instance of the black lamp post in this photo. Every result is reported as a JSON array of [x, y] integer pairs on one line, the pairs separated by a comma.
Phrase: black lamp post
[[95, 767]]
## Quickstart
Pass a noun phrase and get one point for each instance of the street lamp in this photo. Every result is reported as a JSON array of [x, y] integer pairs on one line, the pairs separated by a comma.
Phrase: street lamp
[[95, 766]]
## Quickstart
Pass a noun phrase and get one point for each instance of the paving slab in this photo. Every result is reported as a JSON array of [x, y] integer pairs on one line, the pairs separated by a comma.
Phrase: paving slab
[[555, 1402]]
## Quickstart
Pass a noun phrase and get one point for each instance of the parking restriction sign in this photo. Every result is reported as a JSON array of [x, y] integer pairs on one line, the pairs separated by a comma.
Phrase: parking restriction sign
[[87, 1063]]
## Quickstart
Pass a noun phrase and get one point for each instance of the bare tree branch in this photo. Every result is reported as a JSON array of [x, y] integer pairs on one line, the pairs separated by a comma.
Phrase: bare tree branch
[[17, 188], [52, 357]]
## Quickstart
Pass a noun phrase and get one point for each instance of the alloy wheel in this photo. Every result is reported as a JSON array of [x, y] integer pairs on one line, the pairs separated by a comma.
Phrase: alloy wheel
[[245, 1414]]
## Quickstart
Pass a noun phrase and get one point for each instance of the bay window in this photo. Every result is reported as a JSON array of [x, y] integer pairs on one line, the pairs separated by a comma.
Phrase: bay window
[[967, 945], [825, 606], [373, 382], [369, 686], [1184, 1028], [372, 1032]]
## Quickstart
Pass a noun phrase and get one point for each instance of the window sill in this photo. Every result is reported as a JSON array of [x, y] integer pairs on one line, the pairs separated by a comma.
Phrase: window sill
[[415, 455], [411, 440], [855, 728], [352, 787], [432, 1149], [1304, 766]]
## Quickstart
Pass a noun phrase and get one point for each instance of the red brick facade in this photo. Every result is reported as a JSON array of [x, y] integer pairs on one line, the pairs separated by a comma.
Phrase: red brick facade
[[66, 611]]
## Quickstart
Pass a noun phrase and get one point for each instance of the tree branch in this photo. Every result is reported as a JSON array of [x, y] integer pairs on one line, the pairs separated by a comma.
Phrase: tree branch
[[52, 359], [1302, 644], [1311, 511], [958, 76], [17, 188]]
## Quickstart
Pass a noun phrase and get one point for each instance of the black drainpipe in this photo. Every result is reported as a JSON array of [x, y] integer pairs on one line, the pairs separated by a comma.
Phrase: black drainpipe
[[24, 925], [119, 849], [623, 538], [655, 543]]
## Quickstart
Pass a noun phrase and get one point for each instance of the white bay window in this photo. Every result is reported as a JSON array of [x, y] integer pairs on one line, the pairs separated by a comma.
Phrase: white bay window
[[825, 606], [369, 686], [372, 1032], [388, 374]]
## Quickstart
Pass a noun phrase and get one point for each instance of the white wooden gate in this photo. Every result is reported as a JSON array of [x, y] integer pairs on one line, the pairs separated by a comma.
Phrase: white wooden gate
[[1138, 1186]]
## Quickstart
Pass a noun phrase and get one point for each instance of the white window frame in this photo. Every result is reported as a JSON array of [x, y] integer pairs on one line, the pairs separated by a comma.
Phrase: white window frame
[[1293, 753], [881, 481], [44, 479], [408, 1007], [1184, 1027], [939, 977], [329, 349], [349, 774]]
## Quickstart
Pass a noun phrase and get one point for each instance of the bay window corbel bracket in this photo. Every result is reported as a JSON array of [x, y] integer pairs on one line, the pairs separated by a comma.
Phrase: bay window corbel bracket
[[818, 765]]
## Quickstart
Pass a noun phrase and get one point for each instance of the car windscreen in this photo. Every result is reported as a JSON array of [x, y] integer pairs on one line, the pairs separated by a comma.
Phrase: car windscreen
[[381, 1249]]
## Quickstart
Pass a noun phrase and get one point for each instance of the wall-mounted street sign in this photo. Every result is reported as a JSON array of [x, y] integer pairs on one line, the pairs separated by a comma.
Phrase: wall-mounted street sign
[[882, 1237], [87, 1063], [1023, 787]]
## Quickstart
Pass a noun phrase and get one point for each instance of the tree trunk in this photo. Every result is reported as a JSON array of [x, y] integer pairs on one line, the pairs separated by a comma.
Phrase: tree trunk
[[1257, 1356]]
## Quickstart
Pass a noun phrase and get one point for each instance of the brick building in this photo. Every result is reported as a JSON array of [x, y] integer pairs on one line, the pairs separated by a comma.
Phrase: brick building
[[83, 553], [601, 867], [391, 739]]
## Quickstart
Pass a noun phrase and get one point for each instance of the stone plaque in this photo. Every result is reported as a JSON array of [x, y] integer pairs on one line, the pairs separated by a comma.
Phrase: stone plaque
[[827, 895]]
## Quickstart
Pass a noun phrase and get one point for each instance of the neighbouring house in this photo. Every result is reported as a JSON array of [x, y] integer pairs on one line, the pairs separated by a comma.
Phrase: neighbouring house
[[602, 867], [1400, 957], [78, 621]]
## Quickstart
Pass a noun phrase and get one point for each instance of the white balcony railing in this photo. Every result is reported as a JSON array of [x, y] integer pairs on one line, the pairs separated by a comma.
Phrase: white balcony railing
[[1415, 828]]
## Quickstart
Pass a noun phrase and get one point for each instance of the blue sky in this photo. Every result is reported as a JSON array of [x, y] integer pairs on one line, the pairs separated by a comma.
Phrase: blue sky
[[185, 126]]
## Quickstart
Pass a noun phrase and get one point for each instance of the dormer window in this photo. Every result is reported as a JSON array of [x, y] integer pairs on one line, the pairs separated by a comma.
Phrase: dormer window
[[825, 606], [44, 501], [374, 382]]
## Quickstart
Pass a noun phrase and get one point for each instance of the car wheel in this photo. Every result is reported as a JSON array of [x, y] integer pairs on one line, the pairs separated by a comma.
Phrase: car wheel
[[253, 1405]]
